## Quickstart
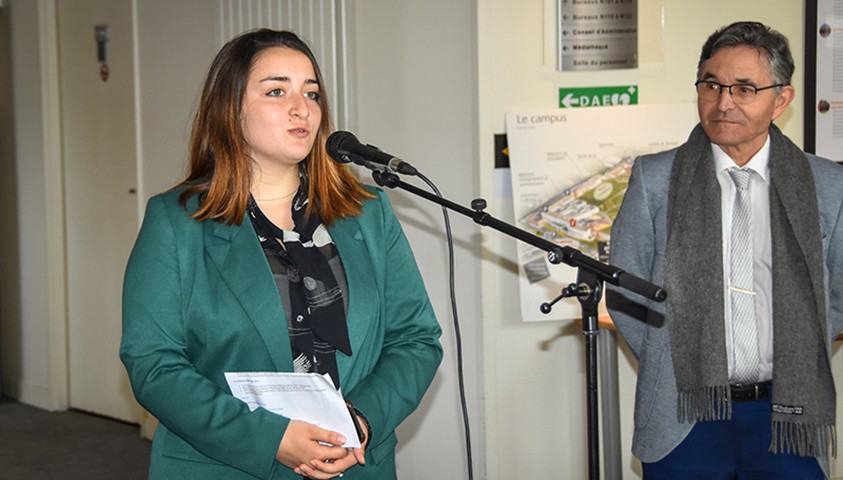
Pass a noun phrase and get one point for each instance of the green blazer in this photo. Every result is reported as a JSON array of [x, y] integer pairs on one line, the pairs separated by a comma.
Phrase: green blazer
[[199, 300]]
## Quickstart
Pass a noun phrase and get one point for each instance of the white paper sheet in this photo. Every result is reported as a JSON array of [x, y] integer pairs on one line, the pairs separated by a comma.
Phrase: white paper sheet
[[308, 397]]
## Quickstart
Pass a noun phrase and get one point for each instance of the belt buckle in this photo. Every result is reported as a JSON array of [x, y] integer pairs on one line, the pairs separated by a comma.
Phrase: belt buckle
[[756, 391]]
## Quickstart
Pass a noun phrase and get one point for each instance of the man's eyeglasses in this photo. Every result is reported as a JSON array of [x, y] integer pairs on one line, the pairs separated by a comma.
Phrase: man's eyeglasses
[[742, 93]]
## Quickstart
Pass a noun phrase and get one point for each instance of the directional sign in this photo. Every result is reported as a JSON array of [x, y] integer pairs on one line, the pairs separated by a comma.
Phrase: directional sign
[[597, 34], [598, 96]]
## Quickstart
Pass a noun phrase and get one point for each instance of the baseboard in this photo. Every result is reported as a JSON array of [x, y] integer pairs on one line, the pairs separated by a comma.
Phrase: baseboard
[[28, 393]]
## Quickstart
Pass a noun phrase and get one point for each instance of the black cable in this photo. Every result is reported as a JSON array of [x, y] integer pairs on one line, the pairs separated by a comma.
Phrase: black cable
[[457, 334]]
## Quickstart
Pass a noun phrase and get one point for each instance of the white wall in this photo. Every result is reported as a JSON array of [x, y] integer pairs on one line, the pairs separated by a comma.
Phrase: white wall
[[413, 67]]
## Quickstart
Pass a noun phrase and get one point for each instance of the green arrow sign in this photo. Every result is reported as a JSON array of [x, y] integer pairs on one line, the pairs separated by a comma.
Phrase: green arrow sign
[[598, 96]]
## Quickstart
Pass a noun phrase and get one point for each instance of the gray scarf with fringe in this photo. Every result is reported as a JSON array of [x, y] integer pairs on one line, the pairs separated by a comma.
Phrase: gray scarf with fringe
[[803, 401]]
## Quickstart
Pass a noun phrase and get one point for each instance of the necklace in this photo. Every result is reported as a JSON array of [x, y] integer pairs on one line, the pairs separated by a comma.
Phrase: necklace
[[282, 197]]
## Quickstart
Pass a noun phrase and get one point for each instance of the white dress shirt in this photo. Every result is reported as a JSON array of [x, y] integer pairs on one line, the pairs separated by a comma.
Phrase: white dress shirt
[[762, 250]]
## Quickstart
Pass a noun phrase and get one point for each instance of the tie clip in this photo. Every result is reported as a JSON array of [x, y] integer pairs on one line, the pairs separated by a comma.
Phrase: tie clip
[[741, 290]]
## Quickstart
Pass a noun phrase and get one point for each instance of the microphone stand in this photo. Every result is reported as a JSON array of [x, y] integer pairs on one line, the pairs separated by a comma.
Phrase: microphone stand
[[588, 289]]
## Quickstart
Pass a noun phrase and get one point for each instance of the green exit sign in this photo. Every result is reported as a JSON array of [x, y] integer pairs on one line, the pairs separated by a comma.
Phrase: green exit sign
[[598, 96]]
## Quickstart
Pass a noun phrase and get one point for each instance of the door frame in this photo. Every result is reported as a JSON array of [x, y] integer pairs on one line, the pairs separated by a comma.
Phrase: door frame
[[56, 288]]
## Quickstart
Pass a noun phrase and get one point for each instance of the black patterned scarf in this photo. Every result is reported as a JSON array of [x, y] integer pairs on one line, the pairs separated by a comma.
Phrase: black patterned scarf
[[305, 260]]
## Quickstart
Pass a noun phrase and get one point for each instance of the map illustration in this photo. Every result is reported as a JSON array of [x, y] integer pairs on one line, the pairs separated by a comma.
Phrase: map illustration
[[570, 168], [581, 216]]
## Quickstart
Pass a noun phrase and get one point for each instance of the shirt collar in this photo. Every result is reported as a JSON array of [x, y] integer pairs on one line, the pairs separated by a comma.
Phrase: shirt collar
[[758, 163]]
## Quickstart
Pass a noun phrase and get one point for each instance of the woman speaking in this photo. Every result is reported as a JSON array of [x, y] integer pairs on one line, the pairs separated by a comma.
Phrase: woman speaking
[[271, 257]]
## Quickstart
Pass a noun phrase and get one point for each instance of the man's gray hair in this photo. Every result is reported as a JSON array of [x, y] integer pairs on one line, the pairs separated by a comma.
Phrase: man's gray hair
[[754, 35]]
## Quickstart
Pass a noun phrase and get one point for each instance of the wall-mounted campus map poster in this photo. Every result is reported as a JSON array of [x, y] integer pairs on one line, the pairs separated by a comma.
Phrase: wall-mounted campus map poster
[[570, 169]]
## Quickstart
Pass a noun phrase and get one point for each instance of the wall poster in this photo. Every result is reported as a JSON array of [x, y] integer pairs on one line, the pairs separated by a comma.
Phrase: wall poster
[[570, 168]]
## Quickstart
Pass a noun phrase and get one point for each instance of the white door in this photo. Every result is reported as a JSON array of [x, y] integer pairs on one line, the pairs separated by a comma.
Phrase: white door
[[100, 181]]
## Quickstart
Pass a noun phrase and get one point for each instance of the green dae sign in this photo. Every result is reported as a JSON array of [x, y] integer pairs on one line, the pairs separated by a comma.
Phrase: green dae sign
[[598, 96]]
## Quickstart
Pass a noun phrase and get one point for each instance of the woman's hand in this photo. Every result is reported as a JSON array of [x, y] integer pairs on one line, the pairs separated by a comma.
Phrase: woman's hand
[[322, 470], [302, 449], [314, 452], [318, 469]]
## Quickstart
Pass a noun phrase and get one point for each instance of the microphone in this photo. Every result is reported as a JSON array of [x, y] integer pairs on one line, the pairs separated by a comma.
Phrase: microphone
[[344, 147]]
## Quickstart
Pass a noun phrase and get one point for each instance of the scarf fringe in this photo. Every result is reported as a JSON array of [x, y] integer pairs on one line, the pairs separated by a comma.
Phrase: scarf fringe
[[805, 440], [802, 439], [704, 404]]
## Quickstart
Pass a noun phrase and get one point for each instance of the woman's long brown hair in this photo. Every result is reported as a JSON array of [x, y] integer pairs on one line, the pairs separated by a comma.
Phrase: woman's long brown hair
[[220, 170]]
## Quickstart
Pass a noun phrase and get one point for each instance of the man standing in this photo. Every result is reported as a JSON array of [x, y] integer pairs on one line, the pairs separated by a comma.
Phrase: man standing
[[744, 231]]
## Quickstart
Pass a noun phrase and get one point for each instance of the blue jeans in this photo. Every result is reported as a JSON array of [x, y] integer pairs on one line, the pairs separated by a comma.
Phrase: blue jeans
[[736, 449]]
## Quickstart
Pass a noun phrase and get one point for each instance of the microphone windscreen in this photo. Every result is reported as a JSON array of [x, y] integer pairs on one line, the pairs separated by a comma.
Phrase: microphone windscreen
[[334, 146]]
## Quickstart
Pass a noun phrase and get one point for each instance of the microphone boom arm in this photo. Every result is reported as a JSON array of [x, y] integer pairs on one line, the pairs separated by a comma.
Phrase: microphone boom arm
[[555, 253]]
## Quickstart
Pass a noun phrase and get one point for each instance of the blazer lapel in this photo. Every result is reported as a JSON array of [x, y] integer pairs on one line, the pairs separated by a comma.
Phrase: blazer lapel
[[241, 265], [362, 285]]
